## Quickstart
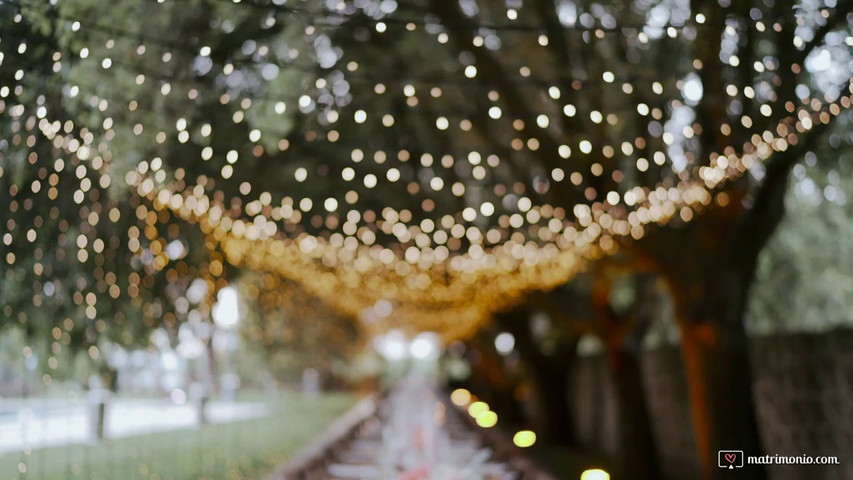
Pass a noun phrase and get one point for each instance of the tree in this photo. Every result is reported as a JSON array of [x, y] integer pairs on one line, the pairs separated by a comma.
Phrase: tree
[[549, 370], [87, 261], [296, 330], [615, 304], [625, 307], [483, 137]]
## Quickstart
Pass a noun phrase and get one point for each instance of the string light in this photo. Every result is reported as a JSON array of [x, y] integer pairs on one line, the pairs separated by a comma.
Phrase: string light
[[442, 266], [289, 257]]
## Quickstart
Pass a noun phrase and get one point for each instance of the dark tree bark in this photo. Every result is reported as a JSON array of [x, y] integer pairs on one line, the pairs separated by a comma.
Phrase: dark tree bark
[[709, 290], [491, 381], [622, 335], [552, 387], [549, 374], [637, 452]]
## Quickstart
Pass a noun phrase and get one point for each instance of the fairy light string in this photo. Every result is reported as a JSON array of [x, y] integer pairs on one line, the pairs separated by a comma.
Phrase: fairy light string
[[357, 286], [440, 269]]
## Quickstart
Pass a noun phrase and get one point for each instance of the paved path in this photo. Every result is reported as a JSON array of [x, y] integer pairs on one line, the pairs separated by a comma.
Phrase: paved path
[[372, 454], [413, 434]]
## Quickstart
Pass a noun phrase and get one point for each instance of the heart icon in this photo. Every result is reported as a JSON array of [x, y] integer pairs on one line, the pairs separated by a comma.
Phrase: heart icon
[[731, 457]]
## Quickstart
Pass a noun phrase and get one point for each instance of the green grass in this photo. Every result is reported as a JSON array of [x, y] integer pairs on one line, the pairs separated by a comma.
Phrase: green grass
[[248, 449]]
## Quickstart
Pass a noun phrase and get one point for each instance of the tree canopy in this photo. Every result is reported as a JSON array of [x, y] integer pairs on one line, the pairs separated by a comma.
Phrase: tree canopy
[[414, 149]]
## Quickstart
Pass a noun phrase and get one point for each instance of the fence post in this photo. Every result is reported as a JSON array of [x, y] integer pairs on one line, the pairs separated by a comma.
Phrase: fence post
[[97, 413]]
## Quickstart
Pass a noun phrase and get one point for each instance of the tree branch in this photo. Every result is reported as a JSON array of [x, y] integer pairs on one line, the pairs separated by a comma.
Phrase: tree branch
[[758, 224], [491, 68], [711, 110], [559, 45]]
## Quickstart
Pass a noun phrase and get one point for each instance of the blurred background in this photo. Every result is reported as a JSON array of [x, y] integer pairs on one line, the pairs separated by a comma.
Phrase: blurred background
[[616, 234]]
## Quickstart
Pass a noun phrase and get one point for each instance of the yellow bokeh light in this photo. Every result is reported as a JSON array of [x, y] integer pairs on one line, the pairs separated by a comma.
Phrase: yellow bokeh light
[[487, 419], [477, 408], [460, 397], [595, 474], [524, 439]]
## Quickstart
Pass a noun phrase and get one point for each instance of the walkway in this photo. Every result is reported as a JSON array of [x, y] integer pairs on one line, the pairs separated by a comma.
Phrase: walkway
[[412, 435]]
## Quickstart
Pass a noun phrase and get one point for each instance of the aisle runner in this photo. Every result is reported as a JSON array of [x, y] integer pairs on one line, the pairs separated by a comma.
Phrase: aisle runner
[[416, 438]]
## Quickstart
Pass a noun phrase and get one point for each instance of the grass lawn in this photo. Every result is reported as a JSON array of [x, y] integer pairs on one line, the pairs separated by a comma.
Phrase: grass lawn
[[248, 449]]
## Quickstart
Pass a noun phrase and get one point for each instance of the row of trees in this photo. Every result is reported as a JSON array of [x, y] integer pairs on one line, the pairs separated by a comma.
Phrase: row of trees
[[755, 63], [801, 286]]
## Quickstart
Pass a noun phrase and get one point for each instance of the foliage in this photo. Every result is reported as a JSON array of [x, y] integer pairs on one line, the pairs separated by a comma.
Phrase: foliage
[[805, 277], [295, 330]]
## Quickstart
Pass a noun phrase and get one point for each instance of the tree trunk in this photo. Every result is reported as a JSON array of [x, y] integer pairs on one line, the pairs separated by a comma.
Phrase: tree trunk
[[549, 374], [636, 443], [211, 382], [710, 300], [623, 334], [710, 266], [719, 382], [552, 395], [491, 381]]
